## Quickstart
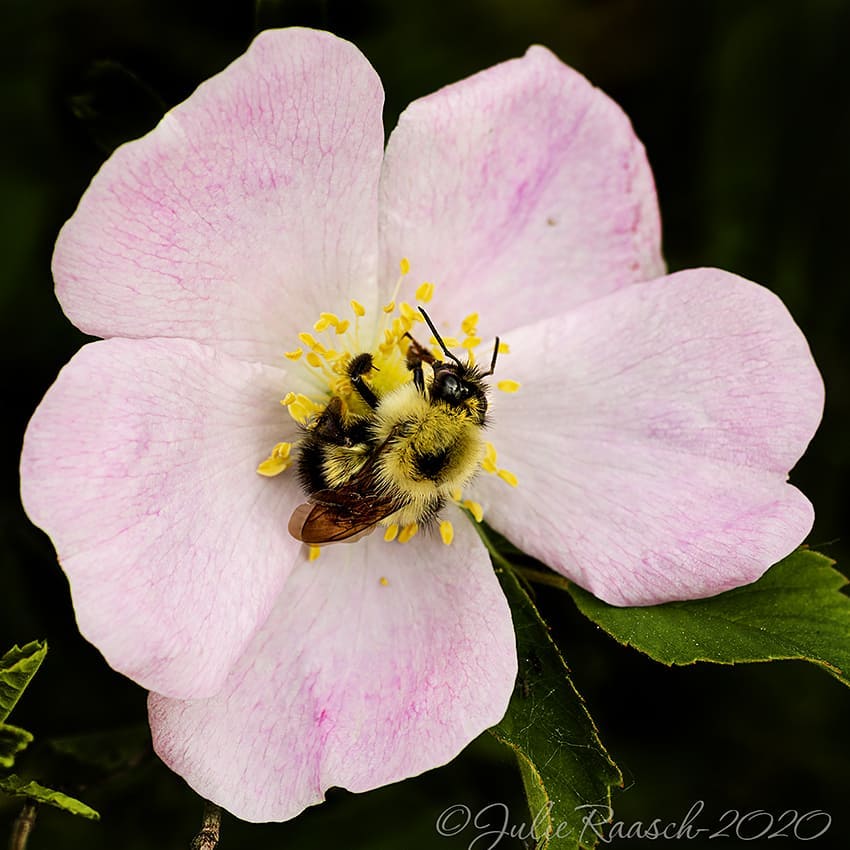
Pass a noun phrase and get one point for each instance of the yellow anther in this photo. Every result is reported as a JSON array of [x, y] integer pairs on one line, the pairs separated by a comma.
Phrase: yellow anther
[[313, 359], [508, 386], [288, 399], [469, 324], [407, 532], [508, 477], [308, 339], [504, 348], [471, 342], [302, 408], [388, 308], [330, 355], [490, 452], [277, 461], [342, 326], [383, 581], [408, 312], [475, 509], [315, 551], [293, 355], [359, 309], [457, 495], [404, 265], [425, 292], [450, 341], [391, 533], [322, 325], [330, 318], [447, 533]]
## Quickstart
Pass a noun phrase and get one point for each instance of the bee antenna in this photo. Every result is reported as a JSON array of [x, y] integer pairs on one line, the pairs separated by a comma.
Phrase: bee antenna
[[438, 337], [493, 361]]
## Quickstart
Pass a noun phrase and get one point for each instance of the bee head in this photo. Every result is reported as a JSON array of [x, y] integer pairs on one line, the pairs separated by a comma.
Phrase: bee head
[[460, 387]]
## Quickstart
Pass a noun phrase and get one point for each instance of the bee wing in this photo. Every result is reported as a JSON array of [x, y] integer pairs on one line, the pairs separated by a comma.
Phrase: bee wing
[[333, 516], [344, 513]]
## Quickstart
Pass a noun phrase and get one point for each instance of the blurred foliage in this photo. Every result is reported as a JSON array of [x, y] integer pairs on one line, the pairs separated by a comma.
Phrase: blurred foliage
[[744, 111]]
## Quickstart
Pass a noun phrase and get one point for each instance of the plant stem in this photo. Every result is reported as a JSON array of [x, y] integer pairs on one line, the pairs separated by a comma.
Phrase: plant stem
[[207, 838], [23, 825]]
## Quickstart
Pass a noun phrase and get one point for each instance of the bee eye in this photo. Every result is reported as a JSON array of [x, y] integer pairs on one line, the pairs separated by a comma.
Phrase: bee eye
[[453, 389]]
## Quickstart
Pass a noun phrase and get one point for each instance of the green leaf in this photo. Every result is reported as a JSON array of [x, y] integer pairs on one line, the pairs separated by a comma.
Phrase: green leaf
[[561, 759], [795, 611], [17, 667], [17, 787], [12, 741], [110, 752]]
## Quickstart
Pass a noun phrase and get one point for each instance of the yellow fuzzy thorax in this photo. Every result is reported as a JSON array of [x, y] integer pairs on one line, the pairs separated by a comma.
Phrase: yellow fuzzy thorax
[[326, 353]]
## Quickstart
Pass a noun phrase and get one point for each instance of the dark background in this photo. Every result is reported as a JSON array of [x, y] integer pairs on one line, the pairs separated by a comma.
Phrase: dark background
[[744, 110]]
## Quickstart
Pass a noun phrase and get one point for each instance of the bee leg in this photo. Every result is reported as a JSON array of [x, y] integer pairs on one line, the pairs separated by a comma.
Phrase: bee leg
[[357, 368], [417, 355]]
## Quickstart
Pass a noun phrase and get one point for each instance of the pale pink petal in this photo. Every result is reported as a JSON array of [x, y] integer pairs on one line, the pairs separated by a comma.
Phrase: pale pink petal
[[520, 192], [140, 465], [652, 437], [250, 207], [351, 682]]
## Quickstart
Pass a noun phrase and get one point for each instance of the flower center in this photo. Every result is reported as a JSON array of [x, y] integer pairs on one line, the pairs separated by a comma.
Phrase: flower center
[[395, 424]]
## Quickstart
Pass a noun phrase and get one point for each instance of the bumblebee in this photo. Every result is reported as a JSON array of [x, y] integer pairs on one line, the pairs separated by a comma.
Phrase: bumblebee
[[399, 462]]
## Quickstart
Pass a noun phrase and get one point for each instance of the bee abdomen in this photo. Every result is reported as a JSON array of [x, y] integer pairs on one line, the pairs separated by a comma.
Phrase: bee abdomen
[[431, 465]]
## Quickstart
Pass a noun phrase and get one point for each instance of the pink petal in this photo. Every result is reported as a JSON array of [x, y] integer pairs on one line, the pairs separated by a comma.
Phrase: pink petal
[[140, 464], [351, 683], [520, 192], [668, 416], [237, 219]]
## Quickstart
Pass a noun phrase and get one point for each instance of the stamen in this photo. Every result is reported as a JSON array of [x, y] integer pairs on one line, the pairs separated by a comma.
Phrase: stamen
[[359, 309], [508, 477], [313, 359], [308, 339], [469, 324], [508, 386], [409, 313], [277, 461], [315, 551], [388, 308], [408, 532], [301, 408], [342, 326], [489, 462], [475, 509], [404, 266], [425, 292], [383, 581], [293, 355], [504, 348], [391, 533], [447, 532]]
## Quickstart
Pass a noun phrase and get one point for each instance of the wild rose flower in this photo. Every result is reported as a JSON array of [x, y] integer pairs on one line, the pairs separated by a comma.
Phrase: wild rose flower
[[649, 442]]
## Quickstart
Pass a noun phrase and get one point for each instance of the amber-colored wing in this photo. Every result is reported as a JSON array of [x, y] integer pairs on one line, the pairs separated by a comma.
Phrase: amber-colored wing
[[344, 513]]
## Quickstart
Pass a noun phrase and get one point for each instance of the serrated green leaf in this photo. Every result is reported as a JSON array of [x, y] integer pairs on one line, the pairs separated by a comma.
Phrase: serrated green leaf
[[13, 740], [15, 786], [795, 611], [17, 667], [562, 761]]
